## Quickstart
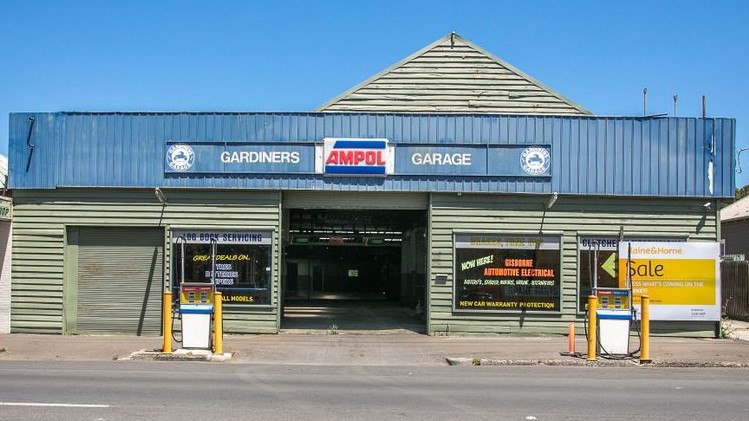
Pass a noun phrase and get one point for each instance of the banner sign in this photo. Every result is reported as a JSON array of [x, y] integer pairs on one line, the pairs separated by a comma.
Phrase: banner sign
[[357, 157], [478, 160], [495, 273], [237, 158], [682, 279]]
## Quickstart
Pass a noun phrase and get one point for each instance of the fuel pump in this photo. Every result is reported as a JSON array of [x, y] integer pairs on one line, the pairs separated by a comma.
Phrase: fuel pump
[[614, 314], [196, 306]]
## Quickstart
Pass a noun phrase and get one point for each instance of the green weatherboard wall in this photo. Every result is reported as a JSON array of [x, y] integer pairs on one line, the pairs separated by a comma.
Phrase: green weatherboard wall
[[44, 293], [569, 217]]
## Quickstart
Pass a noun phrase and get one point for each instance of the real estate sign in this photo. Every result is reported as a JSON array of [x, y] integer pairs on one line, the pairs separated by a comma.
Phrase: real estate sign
[[681, 279]]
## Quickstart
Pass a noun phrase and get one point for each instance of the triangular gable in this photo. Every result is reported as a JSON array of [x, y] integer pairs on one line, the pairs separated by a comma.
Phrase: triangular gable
[[452, 75]]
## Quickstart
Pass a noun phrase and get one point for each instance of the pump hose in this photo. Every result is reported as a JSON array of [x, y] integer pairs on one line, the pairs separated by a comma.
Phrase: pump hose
[[176, 315]]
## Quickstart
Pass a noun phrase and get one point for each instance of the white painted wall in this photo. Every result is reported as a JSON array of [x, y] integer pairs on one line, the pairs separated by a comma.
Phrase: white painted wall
[[5, 254]]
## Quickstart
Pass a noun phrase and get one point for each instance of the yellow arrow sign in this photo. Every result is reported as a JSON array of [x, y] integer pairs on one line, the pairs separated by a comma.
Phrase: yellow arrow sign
[[610, 265]]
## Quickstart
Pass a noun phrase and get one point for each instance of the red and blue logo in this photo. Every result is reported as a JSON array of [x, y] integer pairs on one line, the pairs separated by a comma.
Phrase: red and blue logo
[[356, 156]]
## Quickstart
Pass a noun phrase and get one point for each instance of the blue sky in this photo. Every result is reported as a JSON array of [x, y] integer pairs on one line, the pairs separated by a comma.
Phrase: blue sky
[[296, 55]]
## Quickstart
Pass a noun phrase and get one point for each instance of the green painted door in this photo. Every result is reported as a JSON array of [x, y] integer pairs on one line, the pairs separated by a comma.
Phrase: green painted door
[[120, 280]]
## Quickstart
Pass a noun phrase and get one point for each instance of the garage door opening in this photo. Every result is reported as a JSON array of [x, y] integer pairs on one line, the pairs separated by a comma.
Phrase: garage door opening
[[354, 270]]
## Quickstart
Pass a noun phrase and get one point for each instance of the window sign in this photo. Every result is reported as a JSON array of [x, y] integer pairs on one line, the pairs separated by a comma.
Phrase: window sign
[[243, 263], [495, 273], [596, 260]]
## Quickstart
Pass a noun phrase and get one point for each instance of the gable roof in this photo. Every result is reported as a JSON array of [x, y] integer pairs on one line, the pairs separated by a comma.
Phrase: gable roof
[[735, 211], [453, 75]]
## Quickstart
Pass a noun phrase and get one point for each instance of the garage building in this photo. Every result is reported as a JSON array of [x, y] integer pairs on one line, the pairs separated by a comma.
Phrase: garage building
[[451, 186]]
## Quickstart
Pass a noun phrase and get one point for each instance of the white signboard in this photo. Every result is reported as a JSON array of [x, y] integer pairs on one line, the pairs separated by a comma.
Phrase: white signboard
[[681, 279], [221, 237]]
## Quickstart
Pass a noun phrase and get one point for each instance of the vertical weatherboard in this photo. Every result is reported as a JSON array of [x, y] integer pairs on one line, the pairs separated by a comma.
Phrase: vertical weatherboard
[[725, 159], [689, 164], [628, 127]]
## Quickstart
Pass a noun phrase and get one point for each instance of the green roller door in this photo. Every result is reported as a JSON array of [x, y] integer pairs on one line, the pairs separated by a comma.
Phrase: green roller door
[[120, 280]]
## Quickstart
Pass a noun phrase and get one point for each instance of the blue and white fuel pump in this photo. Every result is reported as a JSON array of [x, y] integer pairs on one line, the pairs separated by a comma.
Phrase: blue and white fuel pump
[[196, 302], [614, 315]]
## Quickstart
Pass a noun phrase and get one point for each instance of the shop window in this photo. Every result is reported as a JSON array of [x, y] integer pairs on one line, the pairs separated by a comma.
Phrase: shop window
[[242, 271], [506, 273], [597, 259]]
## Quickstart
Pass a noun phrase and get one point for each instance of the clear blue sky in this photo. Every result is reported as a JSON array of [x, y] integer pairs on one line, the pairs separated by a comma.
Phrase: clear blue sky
[[296, 55]]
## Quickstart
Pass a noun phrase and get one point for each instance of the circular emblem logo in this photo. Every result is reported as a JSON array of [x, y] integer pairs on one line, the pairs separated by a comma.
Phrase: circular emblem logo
[[535, 161], [180, 157]]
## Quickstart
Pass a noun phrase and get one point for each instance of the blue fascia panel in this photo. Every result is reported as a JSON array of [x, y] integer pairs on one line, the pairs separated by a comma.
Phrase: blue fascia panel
[[612, 156]]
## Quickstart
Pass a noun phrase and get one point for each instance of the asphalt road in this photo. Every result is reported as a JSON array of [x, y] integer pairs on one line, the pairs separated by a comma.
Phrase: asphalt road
[[196, 391]]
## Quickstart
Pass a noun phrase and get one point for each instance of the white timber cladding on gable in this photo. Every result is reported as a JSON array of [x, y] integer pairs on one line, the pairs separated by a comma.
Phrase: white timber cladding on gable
[[452, 75]]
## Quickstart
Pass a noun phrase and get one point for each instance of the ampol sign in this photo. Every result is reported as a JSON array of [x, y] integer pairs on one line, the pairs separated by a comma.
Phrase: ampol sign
[[681, 279], [357, 157]]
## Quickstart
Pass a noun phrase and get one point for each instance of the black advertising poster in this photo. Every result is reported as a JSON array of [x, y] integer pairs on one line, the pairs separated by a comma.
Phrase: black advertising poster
[[495, 273], [242, 271]]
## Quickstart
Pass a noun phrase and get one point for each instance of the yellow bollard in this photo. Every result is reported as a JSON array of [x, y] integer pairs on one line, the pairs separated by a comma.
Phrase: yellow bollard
[[167, 315], [592, 321], [645, 329], [218, 324]]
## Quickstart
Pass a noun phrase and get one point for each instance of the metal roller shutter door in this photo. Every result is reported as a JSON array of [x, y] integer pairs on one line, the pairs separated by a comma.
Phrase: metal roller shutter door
[[120, 280]]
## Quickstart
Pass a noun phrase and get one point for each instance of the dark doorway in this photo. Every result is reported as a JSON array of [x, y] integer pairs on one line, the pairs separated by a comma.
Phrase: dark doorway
[[354, 270]]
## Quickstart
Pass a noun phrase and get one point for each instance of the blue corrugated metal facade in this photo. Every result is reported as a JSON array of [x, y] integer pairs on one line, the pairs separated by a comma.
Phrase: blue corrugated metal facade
[[614, 156]]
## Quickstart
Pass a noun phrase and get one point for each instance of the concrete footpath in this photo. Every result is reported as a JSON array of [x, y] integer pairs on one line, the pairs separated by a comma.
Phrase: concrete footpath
[[391, 348]]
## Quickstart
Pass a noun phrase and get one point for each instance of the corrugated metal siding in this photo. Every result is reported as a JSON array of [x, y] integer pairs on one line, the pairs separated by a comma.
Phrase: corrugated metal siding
[[120, 280], [34, 156], [39, 228], [622, 156], [678, 218], [451, 76]]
